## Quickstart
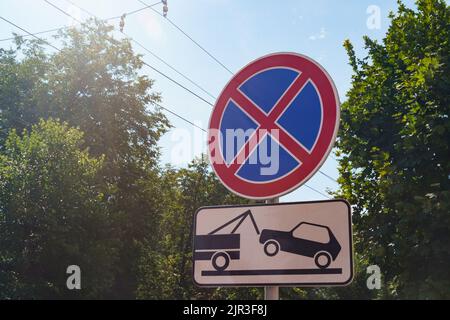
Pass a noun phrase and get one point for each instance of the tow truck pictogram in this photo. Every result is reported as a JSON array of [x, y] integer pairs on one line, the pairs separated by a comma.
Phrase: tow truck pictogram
[[221, 248]]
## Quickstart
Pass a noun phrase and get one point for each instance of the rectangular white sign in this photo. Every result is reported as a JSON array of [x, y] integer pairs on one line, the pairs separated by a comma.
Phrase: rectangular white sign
[[286, 244]]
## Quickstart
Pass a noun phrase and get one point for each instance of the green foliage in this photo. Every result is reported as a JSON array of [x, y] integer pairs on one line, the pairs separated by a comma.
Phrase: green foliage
[[166, 271], [52, 215], [95, 84], [395, 155], [88, 189]]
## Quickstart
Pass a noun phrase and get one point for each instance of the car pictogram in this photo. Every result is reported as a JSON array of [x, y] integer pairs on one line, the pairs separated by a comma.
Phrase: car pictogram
[[305, 239]]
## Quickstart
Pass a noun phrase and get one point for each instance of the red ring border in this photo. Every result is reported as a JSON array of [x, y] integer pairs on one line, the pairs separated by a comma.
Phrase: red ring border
[[330, 125]]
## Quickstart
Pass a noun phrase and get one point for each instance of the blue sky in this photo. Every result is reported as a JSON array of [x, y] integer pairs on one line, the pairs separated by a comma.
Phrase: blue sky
[[234, 31]]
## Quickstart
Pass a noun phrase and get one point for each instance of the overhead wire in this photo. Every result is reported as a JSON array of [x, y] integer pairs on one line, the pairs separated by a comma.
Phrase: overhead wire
[[146, 49], [29, 33], [46, 42], [328, 176], [66, 27], [145, 63], [317, 191], [191, 39], [157, 104]]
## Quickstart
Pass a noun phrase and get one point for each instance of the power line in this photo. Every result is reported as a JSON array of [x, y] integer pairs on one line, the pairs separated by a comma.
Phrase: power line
[[127, 14], [29, 33], [177, 83], [135, 41], [84, 10], [147, 50], [157, 104], [164, 108], [145, 63], [168, 110], [62, 11], [141, 45], [181, 74], [213, 57], [33, 34], [137, 10], [190, 38], [66, 27], [147, 6], [317, 191], [116, 17], [328, 176], [193, 124], [178, 116]]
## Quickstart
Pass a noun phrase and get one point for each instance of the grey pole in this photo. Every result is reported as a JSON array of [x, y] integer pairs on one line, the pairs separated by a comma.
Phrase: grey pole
[[272, 292]]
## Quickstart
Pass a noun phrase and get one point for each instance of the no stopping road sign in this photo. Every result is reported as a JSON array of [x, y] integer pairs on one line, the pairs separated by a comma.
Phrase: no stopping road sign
[[273, 125]]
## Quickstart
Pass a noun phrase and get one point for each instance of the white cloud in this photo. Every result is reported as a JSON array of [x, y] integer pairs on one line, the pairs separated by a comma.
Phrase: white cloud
[[319, 36]]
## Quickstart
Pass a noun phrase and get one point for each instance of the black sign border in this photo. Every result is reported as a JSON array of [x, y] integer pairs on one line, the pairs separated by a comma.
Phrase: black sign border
[[309, 284]]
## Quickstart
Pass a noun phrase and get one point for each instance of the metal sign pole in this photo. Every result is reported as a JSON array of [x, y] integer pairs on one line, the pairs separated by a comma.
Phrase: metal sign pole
[[272, 292]]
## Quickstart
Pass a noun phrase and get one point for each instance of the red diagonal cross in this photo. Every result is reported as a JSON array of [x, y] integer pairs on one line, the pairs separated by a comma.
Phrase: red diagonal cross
[[268, 122]]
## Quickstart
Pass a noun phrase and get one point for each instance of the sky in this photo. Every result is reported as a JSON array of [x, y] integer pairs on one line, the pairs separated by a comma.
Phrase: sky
[[235, 32]]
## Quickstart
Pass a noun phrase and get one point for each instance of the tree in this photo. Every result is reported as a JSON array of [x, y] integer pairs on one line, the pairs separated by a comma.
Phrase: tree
[[95, 83], [166, 272], [52, 215], [393, 143]]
